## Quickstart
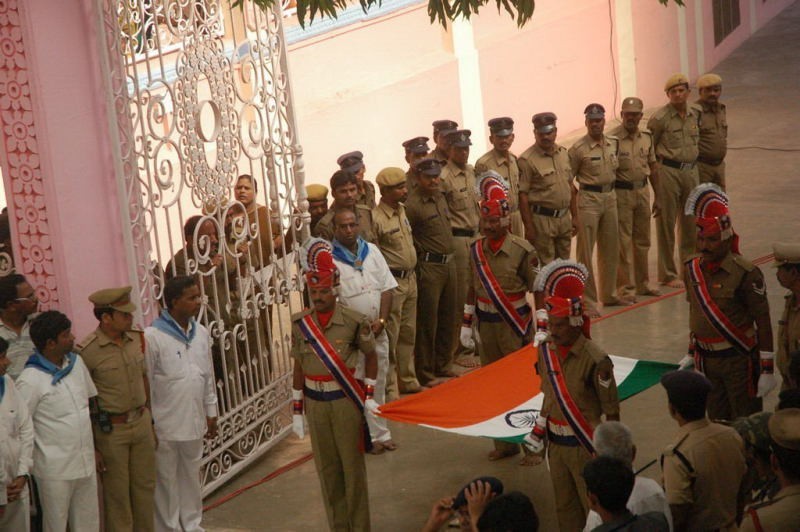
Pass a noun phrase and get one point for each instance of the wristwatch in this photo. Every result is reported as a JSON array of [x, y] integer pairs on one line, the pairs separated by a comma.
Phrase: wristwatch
[[382, 321]]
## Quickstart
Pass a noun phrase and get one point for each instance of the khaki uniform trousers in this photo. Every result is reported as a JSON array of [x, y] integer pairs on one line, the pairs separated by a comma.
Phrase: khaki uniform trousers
[[730, 379], [401, 328], [433, 350], [517, 228], [130, 477], [553, 238], [712, 174], [599, 224], [463, 277], [633, 208], [566, 468], [335, 428], [497, 340], [675, 187]]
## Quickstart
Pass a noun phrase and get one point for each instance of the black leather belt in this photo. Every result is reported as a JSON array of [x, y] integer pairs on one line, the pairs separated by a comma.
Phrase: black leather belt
[[677, 164], [547, 211], [630, 185], [463, 232], [401, 274], [323, 396], [435, 258], [710, 162], [598, 188]]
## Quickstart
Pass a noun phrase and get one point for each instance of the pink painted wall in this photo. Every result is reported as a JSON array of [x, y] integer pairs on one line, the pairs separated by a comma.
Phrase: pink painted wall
[[656, 48], [72, 133]]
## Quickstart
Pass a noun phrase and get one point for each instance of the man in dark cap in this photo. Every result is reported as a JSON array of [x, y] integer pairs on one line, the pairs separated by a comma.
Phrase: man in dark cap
[[783, 511], [459, 187], [501, 160], [704, 466], [123, 427], [415, 149], [637, 166], [594, 163], [427, 212], [546, 195], [676, 129], [353, 162], [440, 130]]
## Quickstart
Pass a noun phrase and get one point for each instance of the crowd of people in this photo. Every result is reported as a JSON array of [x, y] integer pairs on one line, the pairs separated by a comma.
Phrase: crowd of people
[[387, 278]]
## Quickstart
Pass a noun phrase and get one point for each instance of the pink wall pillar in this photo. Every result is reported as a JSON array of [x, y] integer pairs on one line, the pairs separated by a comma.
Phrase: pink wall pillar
[[56, 155]]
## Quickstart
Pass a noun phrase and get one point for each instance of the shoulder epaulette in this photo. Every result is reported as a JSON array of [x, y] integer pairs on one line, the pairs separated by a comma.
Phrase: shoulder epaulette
[[83, 344], [743, 263]]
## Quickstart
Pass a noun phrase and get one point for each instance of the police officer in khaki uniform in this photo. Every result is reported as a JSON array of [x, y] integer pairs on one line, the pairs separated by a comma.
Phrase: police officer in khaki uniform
[[705, 464], [458, 185], [344, 188], [741, 374], [782, 513], [637, 165], [353, 162], [317, 204], [334, 420], [547, 199], [588, 375], [394, 239], [502, 161], [123, 428], [713, 143], [415, 149], [429, 215], [787, 262], [512, 262], [594, 163], [676, 131], [440, 130]]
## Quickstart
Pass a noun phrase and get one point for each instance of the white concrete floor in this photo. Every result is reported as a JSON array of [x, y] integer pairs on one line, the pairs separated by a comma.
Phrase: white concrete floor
[[761, 88]]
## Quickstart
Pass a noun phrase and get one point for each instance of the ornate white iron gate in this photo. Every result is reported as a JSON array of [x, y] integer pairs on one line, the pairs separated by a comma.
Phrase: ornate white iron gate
[[199, 94]]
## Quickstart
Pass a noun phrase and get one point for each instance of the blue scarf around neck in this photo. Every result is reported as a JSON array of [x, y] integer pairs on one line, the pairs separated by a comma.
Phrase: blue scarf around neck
[[2, 387], [167, 324], [38, 361], [343, 254]]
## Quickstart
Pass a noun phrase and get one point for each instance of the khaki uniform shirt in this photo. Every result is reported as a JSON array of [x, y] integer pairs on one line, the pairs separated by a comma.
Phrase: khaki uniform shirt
[[713, 141], [324, 227], [459, 190], [430, 228], [118, 371], [788, 333], [676, 138], [781, 514], [514, 266], [636, 154], [367, 197], [715, 454], [393, 236], [738, 289], [438, 154], [589, 375], [547, 179], [506, 167], [594, 162], [348, 332]]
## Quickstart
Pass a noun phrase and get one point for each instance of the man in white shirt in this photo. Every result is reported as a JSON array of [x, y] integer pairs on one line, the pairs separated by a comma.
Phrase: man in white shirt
[[18, 304], [16, 451], [614, 439], [183, 403], [57, 388], [366, 286]]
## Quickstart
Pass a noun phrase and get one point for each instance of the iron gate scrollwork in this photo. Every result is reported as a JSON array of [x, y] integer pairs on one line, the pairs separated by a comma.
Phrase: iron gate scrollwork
[[199, 95]]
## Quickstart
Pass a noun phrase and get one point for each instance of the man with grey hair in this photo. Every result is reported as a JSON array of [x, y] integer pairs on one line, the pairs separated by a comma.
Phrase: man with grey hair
[[614, 439]]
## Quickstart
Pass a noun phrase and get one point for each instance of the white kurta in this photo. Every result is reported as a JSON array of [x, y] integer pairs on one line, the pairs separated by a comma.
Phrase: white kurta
[[16, 454], [182, 390], [361, 291], [20, 347]]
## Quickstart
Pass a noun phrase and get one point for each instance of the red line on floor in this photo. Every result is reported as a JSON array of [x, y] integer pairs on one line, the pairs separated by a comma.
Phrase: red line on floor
[[759, 261]]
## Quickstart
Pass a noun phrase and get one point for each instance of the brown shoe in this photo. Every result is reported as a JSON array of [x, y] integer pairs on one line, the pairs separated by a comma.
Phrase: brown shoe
[[499, 455]]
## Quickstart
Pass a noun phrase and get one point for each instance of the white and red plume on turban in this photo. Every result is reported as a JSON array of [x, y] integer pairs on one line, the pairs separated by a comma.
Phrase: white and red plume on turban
[[562, 282], [709, 205], [317, 262], [493, 191]]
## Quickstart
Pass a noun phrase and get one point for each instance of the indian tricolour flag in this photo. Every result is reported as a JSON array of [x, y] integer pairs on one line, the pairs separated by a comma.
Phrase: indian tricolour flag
[[503, 399]]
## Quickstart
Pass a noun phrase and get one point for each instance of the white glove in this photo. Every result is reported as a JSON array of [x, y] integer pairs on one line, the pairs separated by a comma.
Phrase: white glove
[[686, 362], [299, 425], [466, 338], [540, 337], [371, 406], [533, 443]]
